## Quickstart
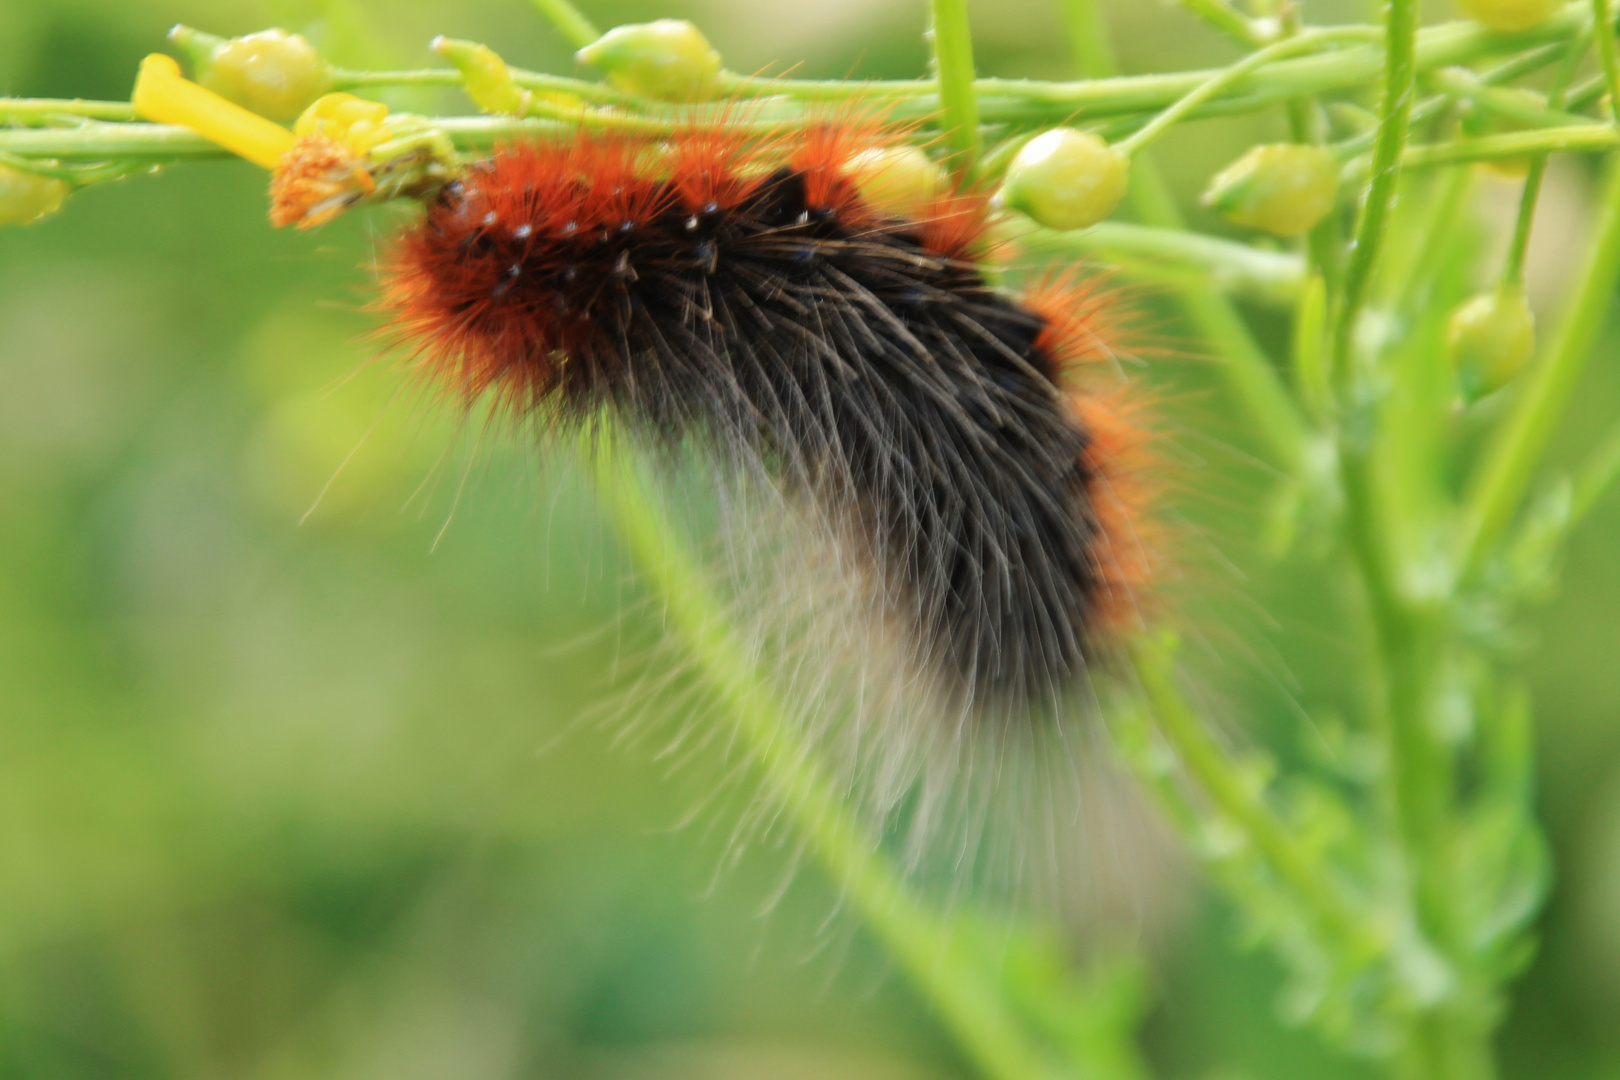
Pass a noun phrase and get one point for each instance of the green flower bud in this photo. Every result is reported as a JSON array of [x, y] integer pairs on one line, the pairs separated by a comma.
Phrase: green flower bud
[[273, 73], [898, 180], [1283, 188], [484, 76], [1510, 15], [1491, 338], [26, 197], [1066, 179], [668, 60]]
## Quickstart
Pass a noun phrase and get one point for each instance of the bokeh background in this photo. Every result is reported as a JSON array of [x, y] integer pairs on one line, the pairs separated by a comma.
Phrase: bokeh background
[[311, 690]]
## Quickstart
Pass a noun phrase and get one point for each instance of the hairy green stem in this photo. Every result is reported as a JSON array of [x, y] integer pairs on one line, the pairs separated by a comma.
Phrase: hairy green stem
[[939, 964], [1227, 790], [1271, 54], [574, 26], [1510, 461], [1200, 260], [953, 66], [1228, 20], [1400, 81], [1606, 53]]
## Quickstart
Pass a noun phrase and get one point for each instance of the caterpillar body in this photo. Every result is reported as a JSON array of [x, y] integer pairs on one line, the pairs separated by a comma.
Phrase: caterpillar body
[[745, 294]]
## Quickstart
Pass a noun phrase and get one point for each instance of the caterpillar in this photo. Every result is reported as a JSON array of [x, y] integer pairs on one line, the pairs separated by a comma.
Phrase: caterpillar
[[744, 294]]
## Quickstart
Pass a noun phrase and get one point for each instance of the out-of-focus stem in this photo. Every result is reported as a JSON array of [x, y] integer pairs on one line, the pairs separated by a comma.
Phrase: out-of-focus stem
[[568, 20], [953, 67]]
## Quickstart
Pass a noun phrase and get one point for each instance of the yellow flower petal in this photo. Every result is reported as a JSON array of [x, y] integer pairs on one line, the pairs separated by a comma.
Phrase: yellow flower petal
[[163, 95]]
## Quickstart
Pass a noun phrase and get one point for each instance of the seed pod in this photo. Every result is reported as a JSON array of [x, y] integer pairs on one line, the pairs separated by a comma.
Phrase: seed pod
[[26, 197], [898, 180], [1491, 338], [668, 60], [1066, 179], [485, 76], [1510, 15], [273, 73], [1283, 188]]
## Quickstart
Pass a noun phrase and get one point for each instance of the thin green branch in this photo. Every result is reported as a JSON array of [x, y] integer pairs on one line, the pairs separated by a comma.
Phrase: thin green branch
[[1400, 80], [574, 26], [1606, 52], [1595, 477], [1228, 20], [1510, 460], [940, 965], [1270, 277], [52, 108], [1248, 372], [1234, 797], [952, 41], [1282, 50], [1513, 265]]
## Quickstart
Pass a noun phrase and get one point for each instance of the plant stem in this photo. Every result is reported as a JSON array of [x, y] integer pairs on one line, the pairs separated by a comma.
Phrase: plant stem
[[1249, 374], [939, 964], [1595, 477], [1513, 266], [1269, 277], [574, 26], [1510, 460], [1400, 80], [953, 66], [1228, 791], [1228, 20], [1606, 52], [1282, 50]]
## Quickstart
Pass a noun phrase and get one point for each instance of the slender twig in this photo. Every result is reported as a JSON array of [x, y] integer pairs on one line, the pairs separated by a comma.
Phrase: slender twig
[[1513, 265], [1282, 50], [1596, 476], [1228, 20], [1510, 461], [1606, 52], [574, 26], [953, 67]]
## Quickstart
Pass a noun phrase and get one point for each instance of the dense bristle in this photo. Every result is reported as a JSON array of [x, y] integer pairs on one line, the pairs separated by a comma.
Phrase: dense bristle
[[745, 295]]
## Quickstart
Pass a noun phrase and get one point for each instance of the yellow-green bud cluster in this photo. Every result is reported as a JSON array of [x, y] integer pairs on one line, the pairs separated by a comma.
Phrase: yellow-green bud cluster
[[1491, 338], [1066, 179], [667, 60], [1510, 15], [26, 197], [1283, 188], [485, 76], [272, 72]]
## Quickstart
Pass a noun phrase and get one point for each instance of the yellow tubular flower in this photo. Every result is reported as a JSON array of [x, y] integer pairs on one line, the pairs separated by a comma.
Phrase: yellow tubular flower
[[344, 118], [163, 95]]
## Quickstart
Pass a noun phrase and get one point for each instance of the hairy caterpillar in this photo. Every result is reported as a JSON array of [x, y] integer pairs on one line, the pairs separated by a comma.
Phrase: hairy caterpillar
[[743, 293]]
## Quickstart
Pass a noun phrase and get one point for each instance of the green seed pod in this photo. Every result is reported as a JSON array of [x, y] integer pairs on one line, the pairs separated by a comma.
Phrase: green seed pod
[[668, 60], [898, 180], [1283, 188], [273, 73], [1066, 179], [26, 197], [1491, 338], [485, 76], [1510, 15]]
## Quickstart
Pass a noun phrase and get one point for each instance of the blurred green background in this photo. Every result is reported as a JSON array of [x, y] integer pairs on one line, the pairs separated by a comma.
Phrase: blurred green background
[[341, 792]]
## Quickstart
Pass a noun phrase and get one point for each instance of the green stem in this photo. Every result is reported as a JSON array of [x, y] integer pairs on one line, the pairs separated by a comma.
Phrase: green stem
[[1282, 50], [1510, 460], [1400, 80], [1270, 277], [1595, 477], [1228, 20], [1606, 51], [1248, 372], [940, 965], [1207, 763], [1513, 266], [574, 26], [953, 67]]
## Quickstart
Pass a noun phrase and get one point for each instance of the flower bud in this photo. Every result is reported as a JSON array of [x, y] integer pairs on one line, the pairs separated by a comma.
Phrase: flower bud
[[1510, 15], [897, 180], [273, 73], [668, 60], [1283, 188], [485, 76], [26, 197], [1491, 338], [1066, 179]]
